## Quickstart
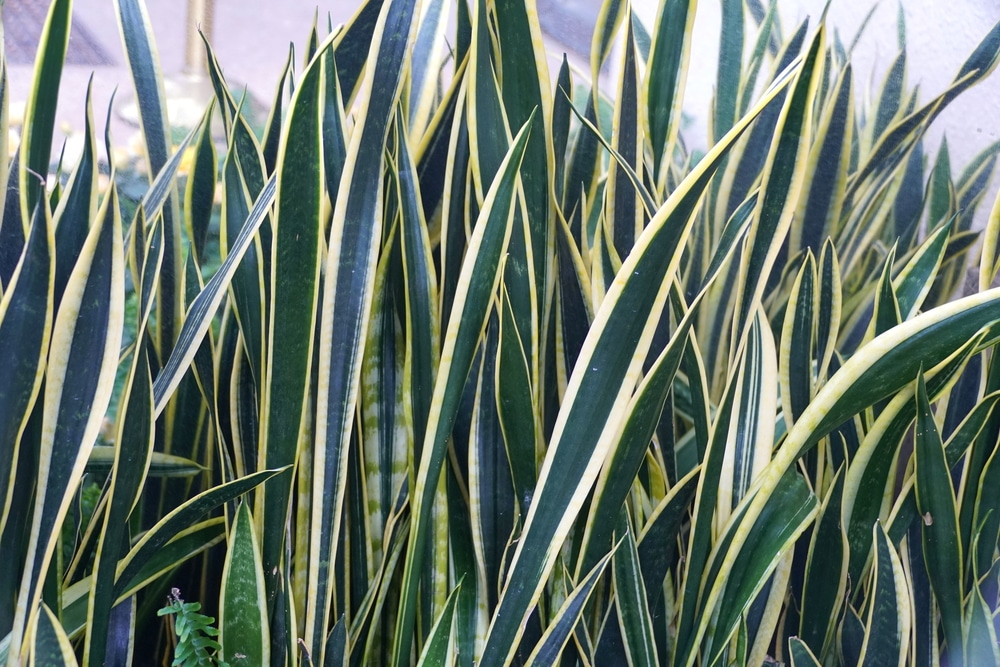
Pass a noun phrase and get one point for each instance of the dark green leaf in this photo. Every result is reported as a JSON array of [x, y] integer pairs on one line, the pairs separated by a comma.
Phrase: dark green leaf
[[179, 520], [936, 503], [825, 583], [437, 648], [49, 644], [548, 651], [666, 75], [40, 108], [82, 360], [634, 616], [615, 343], [479, 281], [348, 291], [800, 654], [888, 620], [26, 314], [243, 628]]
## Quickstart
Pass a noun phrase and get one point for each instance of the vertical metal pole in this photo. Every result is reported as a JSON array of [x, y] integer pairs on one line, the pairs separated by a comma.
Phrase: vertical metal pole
[[187, 91], [200, 14]]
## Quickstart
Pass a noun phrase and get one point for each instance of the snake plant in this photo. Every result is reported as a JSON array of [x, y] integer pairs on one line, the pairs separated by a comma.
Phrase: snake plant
[[478, 362]]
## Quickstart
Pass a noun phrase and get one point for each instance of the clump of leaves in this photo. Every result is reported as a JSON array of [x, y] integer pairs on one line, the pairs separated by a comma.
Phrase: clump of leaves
[[196, 646], [527, 383]]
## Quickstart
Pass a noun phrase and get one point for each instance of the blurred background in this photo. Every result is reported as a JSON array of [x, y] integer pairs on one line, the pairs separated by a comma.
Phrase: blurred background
[[252, 37]]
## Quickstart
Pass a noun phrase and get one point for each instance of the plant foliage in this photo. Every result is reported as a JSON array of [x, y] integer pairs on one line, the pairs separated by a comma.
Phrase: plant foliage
[[195, 644], [475, 362]]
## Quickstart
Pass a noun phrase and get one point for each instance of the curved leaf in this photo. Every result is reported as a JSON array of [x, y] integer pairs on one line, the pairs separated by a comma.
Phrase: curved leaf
[[26, 313], [49, 644], [614, 350], [79, 382], [181, 519]]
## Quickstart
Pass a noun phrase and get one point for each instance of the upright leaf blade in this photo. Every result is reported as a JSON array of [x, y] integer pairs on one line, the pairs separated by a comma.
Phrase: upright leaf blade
[[79, 382], [887, 627], [78, 205], [666, 76], [40, 109], [788, 511], [49, 644], [439, 647], [549, 649], [26, 313], [826, 574], [294, 279], [634, 618], [783, 179], [150, 98], [243, 625], [346, 305], [613, 351], [622, 211], [941, 542], [131, 465], [479, 280]]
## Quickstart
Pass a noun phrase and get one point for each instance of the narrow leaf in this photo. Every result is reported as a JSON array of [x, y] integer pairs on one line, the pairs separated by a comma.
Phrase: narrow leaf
[[940, 537], [346, 305], [243, 624], [79, 382], [49, 644], [26, 313]]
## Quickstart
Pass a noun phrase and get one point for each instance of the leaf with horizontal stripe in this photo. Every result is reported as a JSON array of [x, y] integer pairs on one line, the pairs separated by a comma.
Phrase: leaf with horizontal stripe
[[347, 303], [477, 286]]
